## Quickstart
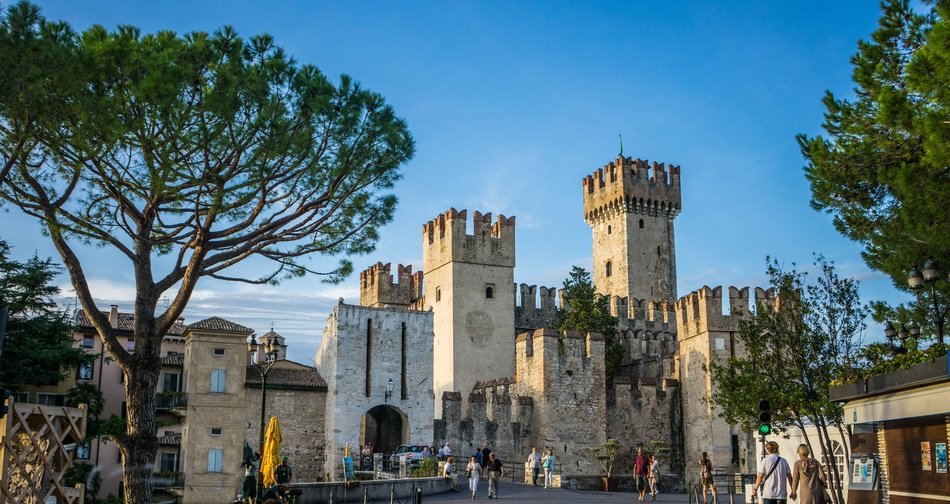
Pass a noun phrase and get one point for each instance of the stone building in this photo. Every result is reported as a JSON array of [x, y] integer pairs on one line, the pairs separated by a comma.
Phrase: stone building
[[208, 404], [378, 366], [470, 288], [505, 377]]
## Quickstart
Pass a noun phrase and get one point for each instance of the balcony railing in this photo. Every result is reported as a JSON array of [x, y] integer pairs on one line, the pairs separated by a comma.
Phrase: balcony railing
[[166, 480], [171, 400]]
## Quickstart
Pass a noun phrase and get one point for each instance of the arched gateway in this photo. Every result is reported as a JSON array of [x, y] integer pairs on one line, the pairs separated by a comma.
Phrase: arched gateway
[[385, 427]]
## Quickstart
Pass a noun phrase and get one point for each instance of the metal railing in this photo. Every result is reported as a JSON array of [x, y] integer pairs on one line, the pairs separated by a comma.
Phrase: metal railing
[[171, 400], [729, 488], [166, 480]]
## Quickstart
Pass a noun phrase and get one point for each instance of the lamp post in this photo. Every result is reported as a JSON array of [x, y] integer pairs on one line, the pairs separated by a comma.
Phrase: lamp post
[[256, 352], [390, 386], [903, 333], [917, 280]]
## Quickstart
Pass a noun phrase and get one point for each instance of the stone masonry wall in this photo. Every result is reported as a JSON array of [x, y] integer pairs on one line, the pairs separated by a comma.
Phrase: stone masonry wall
[[707, 334], [362, 349], [302, 415]]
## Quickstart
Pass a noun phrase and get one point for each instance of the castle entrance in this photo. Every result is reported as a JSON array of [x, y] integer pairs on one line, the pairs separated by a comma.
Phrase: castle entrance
[[385, 427]]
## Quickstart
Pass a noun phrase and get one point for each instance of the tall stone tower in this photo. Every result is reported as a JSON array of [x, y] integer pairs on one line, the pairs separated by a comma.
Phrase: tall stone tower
[[630, 206], [469, 285]]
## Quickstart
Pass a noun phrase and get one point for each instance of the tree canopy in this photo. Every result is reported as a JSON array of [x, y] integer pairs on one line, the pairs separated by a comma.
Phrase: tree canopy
[[38, 347], [586, 311], [792, 353], [882, 168], [185, 155]]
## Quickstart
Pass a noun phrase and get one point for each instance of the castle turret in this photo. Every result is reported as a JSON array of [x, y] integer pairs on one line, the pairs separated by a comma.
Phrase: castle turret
[[469, 285], [378, 289], [707, 334], [630, 205]]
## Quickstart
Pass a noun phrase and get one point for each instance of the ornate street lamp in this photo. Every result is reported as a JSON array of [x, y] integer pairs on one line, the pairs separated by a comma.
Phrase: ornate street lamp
[[917, 280], [390, 386], [268, 354]]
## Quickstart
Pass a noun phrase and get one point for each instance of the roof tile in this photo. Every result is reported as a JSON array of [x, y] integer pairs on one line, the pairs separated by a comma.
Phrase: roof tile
[[219, 324], [287, 375]]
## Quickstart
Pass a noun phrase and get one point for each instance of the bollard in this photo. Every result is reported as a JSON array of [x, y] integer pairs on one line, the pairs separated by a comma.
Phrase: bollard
[[418, 496], [365, 495], [331, 498], [392, 493]]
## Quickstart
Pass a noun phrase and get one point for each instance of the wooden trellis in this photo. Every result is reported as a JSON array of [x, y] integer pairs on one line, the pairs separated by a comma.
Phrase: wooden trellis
[[33, 455]]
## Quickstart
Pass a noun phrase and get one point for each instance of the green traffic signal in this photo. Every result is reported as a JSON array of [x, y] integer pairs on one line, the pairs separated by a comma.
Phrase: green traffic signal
[[765, 417]]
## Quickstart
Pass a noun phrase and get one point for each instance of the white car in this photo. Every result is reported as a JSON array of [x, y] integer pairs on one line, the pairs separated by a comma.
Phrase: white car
[[413, 455]]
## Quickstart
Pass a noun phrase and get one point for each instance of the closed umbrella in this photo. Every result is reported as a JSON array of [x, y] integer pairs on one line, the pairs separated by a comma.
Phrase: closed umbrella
[[270, 459]]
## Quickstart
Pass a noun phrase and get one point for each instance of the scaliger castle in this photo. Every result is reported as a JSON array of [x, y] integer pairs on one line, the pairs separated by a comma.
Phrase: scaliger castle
[[461, 339], [458, 353]]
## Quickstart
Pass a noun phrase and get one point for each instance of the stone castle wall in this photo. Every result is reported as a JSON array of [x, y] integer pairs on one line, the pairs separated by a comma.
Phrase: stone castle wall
[[362, 349], [557, 399], [706, 334], [470, 290], [302, 415]]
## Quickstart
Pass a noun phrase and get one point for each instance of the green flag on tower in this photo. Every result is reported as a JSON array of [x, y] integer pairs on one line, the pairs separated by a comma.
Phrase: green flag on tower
[[621, 145]]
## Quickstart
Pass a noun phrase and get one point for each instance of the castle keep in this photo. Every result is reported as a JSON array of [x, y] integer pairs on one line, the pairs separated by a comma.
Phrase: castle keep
[[499, 372]]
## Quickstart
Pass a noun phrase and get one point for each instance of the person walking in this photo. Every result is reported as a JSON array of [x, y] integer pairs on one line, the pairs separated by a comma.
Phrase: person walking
[[472, 471], [641, 469], [706, 477], [486, 451], [774, 476], [496, 469], [534, 463], [548, 464], [808, 478], [654, 477]]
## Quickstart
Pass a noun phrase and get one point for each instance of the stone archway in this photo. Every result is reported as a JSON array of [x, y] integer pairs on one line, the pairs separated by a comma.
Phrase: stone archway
[[386, 427]]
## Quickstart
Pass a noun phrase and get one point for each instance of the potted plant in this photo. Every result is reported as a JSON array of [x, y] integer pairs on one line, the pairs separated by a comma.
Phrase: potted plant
[[606, 454]]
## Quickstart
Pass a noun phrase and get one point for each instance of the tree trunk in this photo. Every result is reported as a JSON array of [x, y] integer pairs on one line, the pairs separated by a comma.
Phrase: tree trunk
[[831, 466], [140, 444]]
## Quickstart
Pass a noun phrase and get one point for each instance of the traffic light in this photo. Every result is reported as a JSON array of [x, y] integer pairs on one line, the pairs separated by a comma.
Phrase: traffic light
[[765, 417]]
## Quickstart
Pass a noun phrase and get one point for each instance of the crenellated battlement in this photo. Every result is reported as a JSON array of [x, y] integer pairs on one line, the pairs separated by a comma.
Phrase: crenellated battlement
[[444, 239], [529, 313], [378, 289], [630, 185], [701, 310]]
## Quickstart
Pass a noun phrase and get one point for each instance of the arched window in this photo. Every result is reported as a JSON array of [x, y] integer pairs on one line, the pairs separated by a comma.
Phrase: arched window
[[609, 269], [608, 229], [438, 294], [641, 223], [489, 293], [838, 454]]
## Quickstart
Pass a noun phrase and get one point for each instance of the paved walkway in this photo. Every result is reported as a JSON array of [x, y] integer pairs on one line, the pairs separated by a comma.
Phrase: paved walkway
[[527, 494]]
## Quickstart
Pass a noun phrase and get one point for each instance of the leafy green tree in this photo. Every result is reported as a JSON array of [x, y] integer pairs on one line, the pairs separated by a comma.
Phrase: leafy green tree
[[38, 347], [88, 394], [586, 311], [185, 156], [881, 169], [791, 353]]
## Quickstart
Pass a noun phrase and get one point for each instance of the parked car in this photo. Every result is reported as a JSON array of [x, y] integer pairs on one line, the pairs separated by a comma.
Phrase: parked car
[[413, 455]]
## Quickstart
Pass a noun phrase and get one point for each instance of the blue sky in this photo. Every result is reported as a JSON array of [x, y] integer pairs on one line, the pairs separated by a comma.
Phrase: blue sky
[[512, 103]]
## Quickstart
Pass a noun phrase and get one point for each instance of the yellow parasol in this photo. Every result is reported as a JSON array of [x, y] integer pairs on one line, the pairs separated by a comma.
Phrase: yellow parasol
[[270, 459]]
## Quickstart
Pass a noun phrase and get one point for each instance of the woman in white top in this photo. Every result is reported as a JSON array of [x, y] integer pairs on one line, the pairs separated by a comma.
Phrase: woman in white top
[[472, 470], [654, 477]]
